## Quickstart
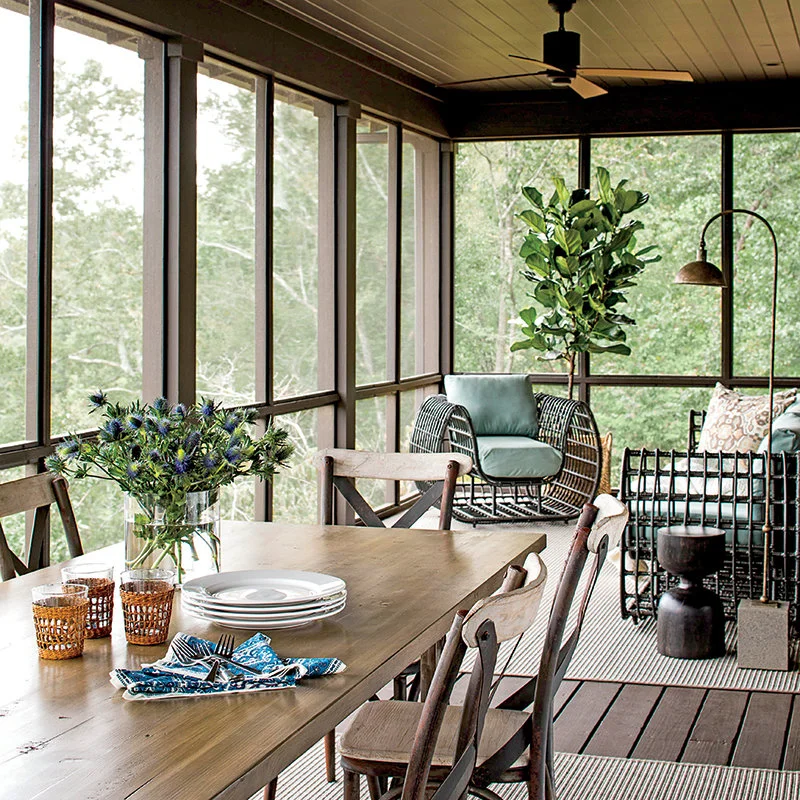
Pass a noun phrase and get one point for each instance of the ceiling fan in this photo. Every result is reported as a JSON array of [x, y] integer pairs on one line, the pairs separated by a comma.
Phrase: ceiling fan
[[561, 59]]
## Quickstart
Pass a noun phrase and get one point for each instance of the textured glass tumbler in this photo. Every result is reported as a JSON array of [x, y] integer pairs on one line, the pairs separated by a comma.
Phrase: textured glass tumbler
[[146, 596], [59, 616], [99, 578]]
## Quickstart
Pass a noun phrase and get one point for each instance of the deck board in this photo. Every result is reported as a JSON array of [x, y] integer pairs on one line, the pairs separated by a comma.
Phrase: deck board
[[577, 720], [714, 734], [727, 727], [760, 742], [620, 729], [665, 735], [791, 750]]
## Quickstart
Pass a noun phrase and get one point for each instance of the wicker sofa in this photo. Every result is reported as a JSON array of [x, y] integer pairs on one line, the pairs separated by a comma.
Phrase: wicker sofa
[[721, 490], [515, 478]]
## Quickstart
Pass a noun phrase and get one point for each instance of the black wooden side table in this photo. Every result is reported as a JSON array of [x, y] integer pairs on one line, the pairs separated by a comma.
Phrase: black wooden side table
[[691, 622]]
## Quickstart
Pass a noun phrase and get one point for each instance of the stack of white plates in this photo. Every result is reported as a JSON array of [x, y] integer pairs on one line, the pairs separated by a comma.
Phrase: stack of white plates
[[264, 598]]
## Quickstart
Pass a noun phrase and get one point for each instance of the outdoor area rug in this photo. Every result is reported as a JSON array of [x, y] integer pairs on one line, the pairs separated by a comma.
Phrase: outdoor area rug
[[588, 778], [613, 649]]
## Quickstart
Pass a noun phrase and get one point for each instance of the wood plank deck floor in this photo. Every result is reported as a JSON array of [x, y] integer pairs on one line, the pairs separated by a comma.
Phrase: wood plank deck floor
[[667, 723]]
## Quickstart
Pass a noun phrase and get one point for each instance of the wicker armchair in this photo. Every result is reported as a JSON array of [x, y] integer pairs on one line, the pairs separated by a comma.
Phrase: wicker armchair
[[566, 425], [721, 490]]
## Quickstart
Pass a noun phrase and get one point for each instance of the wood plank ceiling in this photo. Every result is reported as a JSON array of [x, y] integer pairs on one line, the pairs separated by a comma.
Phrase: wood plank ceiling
[[451, 40]]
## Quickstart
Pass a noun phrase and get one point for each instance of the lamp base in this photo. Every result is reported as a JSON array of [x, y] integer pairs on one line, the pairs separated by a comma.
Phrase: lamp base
[[763, 630]]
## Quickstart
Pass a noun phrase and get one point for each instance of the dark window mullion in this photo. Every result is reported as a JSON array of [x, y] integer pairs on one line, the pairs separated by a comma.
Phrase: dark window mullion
[[727, 297], [263, 266]]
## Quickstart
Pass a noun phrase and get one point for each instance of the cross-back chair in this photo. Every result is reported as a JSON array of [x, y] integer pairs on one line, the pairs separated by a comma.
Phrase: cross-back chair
[[514, 745], [338, 470], [36, 494], [378, 743]]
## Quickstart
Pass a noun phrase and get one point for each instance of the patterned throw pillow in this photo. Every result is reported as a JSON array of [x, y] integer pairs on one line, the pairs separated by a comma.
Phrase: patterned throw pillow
[[737, 423]]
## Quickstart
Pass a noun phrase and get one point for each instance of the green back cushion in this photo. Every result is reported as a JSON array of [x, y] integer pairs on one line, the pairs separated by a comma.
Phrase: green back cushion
[[499, 405]]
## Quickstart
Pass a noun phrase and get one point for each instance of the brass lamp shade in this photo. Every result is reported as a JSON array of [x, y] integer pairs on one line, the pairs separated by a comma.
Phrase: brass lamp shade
[[700, 273]]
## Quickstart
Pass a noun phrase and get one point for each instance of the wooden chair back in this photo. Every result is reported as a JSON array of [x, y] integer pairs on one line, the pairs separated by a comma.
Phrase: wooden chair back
[[599, 527], [339, 469], [36, 494], [485, 626]]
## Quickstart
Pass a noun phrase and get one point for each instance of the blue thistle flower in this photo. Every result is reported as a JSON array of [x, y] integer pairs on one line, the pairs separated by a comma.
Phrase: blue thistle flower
[[154, 455], [163, 427], [231, 423], [133, 469], [209, 462], [136, 452], [182, 462], [151, 424], [161, 404], [112, 430], [233, 455], [135, 420], [207, 409], [69, 450], [98, 399], [180, 411], [192, 441]]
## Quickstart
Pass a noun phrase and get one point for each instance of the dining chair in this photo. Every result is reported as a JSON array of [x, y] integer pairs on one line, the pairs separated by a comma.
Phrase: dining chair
[[37, 494], [338, 470], [379, 744], [514, 741]]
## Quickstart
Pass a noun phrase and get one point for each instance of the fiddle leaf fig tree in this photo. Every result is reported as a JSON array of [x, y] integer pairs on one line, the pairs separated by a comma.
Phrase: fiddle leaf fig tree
[[581, 256]]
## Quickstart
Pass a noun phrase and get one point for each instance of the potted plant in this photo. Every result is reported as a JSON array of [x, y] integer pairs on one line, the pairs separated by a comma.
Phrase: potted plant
[[580, 257], [171, 461]]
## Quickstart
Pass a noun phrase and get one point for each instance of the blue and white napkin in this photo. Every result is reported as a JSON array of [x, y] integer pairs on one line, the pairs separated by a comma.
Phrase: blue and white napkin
[[173, 677]]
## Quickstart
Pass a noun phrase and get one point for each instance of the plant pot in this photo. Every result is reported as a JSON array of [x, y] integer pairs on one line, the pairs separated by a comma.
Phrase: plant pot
[[177, 533]]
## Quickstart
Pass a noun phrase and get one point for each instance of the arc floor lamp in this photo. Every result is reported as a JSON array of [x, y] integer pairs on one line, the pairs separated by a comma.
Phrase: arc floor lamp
[[763, 625]]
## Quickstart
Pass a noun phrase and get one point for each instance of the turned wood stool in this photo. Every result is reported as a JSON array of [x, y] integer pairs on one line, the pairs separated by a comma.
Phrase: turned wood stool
[[691, 623]]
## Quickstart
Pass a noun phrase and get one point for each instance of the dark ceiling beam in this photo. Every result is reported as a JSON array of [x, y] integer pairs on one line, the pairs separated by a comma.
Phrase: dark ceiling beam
[[752, 106], [267, 39]]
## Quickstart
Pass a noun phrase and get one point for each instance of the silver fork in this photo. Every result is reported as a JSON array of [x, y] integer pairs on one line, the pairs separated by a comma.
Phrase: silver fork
[[185, 652], [224, 649]]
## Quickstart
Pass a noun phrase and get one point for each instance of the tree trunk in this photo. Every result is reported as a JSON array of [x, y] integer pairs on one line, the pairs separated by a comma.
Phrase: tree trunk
[[571, 374]]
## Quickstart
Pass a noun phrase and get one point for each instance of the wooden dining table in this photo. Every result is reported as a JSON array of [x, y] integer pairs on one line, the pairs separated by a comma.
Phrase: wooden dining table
[[66, 732]]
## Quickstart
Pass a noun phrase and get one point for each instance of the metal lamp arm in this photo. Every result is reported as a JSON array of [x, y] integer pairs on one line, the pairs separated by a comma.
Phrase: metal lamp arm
[[767, 528]]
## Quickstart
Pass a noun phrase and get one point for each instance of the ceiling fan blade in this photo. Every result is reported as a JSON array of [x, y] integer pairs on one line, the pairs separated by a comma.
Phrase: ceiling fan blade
[[536, 61], [647, 74], [586, 89], [492, 78]]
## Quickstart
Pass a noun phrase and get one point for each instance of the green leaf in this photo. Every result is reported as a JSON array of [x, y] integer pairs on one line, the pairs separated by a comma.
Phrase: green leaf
[[533, 196], [561, 190], [604, 184], [581, 207], [534, 221], [619, 349], [573, 242]]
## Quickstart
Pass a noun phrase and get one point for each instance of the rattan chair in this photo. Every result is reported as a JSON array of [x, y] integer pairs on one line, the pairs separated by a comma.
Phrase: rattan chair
[[37, 494], [566, 425], [720, 490]]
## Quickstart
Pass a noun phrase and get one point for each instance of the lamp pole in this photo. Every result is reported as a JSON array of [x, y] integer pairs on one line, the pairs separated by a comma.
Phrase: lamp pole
[[701, 259]]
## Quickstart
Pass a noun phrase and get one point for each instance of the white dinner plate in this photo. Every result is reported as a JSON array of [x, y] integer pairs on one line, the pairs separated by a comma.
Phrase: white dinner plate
[[200, 600], [255, 624], [258, 587], [272, 612]]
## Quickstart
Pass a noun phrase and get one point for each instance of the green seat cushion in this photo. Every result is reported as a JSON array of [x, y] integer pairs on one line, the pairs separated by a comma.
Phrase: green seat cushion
[[517, 457], [499, 405]]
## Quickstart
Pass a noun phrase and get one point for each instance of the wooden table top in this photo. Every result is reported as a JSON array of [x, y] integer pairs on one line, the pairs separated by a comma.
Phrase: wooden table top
[[66, 732]]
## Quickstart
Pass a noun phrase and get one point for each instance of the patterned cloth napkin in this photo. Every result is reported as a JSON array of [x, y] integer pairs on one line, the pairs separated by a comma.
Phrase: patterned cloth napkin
[[173, 677]]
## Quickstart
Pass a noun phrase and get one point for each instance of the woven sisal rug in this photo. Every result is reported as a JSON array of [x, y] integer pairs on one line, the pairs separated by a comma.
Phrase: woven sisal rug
[[589, 778]]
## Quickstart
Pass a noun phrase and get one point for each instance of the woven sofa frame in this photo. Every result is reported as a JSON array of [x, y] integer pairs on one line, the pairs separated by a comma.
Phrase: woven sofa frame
[[659, 490], [566, 425]]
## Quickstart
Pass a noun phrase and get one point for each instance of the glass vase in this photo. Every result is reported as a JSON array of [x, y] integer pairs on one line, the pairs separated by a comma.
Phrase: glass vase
[[173, 533]]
